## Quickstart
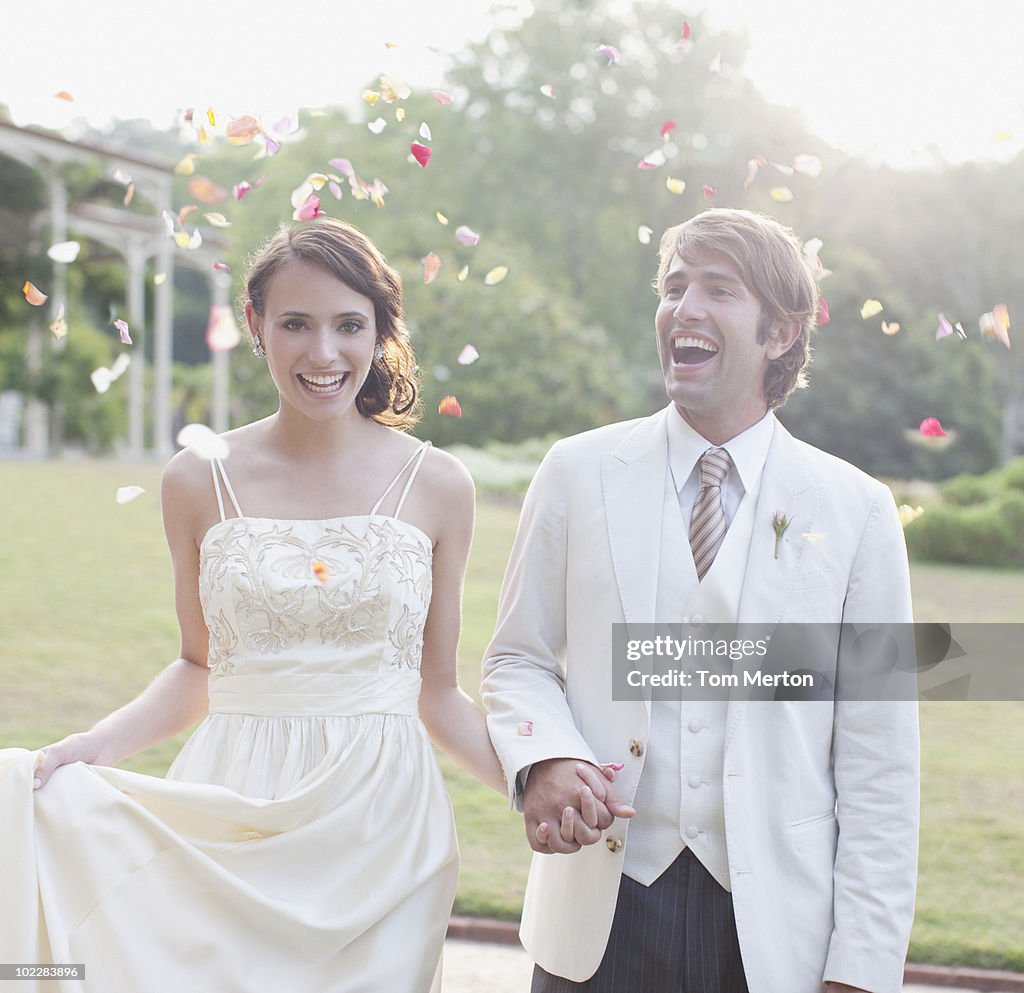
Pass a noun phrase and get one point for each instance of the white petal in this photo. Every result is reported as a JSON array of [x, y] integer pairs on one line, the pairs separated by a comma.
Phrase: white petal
[[125, 494], [203, 442]]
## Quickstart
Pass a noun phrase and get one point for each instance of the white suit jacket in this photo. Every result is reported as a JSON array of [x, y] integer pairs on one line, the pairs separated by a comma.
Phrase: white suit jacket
[[820, 798]]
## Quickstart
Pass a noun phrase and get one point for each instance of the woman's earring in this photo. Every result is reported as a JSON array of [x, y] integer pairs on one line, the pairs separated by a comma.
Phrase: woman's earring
[[378, 352], [257, 348]]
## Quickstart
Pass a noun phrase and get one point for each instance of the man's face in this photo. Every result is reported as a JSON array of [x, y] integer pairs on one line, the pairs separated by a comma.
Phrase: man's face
[[706, 325]]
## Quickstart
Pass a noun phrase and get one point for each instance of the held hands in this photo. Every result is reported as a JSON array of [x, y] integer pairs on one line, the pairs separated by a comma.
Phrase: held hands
[[568, 803], [74, 748]]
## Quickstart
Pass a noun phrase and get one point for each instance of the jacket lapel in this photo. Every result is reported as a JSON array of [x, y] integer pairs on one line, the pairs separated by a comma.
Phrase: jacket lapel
[[633, 479]]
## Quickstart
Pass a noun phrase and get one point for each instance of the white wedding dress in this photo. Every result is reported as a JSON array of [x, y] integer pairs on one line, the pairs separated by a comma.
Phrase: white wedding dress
[[303, 839]]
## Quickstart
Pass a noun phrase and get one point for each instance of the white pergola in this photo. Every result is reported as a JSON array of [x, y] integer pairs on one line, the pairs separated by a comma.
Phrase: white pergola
[[138, 238]]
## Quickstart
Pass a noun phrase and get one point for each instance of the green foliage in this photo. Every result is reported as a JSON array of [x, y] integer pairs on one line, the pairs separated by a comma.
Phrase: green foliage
[[965, 490]]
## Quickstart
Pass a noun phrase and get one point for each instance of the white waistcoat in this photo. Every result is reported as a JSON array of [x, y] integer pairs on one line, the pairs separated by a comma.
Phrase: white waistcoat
[[679, 796]]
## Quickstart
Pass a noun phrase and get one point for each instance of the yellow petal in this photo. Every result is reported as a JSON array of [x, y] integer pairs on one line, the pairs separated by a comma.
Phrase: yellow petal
[[181, 239], [870, 308], [399, 114], [441, 218], [675, 185], [371, 96], [210, 117], [187, 166], [463, 273], [781, 194], [496, 275], [159, 278], [909, 514]]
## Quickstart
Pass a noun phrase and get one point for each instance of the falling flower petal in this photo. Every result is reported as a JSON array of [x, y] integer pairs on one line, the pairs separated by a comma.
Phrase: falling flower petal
[[781, 194], [65, 96], [222, 267], [449, 406], [125, 494], [463, 273], [909, 514], [120, 365], [687, 31], [652, 160], [441, 97], [431, 266], [217, 220], [321, 571], [823, 313], [308, 209], [931, 428], [675, 185], [496, 275], [392, 89], [184, 212], [814, 537], [59, 327], [122, 329], [945, 329], [378, 125], [205, 190], [812, 246], [870, 308], [181, 239], [242, 130], [201, 441], [525, 728], [187, 165], [960, 332], [425, 132], [222, 332], [466, 235], [753, 165], [809, 165], [129, 194], [159, 278], [610, 52], [441, 219], [996, 325], [548, 90], [643, 234], [890, 329], [102, 378], [468, 355], [335, 190], [715, 65], [343, 166], [64, 251], [210, 117], [421, 153], [33, 294], [270, 145], [667, 128], [371, 96]]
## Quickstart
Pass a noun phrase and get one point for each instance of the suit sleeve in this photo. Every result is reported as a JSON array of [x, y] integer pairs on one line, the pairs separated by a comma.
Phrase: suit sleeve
[[875, 753], [524, 671]]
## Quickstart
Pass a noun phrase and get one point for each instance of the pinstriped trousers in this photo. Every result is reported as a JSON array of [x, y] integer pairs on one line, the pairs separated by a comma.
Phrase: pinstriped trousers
[[677, 935]]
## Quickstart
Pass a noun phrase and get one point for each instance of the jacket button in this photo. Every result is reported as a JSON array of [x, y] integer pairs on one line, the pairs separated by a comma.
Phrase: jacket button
[[694, 782], [695, 725], [692, 831], [636, 747], [614, 844]]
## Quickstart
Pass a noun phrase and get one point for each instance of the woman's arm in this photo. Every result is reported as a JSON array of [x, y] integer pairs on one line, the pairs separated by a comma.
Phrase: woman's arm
[[177, 698], [456, 724]]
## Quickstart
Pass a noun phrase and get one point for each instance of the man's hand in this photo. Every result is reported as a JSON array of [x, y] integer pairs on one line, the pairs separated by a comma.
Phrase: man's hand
[[568, 803]]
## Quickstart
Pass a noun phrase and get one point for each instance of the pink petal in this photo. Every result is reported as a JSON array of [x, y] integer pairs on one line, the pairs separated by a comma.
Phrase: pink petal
[[823, 315], [241, 130], [441, 97], [222, 332], [667, 128], [548, 90], [343, 166], [945, 329], [709, 192], [309, 209], [421, 153], [525, 728], [466, 235], [205, 190], [222, 267], [449, 406], [272, 146], [610, 52], [335, 189], [431, 266], [242, 190], [931, 428], [122, 327], [33, 294], [687, 30]]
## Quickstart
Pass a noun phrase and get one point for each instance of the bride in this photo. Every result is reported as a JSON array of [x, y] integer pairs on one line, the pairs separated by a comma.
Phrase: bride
[[303, 838]]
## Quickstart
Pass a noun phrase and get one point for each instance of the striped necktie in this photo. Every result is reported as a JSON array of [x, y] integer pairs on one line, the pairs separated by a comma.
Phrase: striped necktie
[[707, 525]]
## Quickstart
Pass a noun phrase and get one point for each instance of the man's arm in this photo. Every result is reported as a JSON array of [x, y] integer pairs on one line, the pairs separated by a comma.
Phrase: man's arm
[[523, 686], [875, 753]]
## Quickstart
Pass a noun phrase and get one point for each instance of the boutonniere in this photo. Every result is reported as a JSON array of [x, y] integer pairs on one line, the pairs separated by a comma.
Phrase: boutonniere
[[780, 522]]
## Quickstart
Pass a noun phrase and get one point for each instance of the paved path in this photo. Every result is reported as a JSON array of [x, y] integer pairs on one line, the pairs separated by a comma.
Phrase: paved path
[[489, 967]]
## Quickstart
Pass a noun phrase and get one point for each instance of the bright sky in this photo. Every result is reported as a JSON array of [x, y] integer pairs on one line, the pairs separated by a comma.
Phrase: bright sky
[[901, 80]]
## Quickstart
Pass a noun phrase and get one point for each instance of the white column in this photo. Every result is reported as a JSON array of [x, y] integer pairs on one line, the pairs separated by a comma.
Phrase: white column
[[136, 257], [163, 340], [221, 363]]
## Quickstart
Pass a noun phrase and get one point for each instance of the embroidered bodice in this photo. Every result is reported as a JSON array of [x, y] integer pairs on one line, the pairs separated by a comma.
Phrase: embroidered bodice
[[315, 615]]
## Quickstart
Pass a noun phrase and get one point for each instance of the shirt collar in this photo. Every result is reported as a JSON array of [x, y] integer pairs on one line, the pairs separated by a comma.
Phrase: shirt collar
[[748, 450]]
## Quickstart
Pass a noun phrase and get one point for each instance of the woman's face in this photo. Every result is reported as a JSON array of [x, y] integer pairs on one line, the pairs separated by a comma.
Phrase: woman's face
[[319, 335]]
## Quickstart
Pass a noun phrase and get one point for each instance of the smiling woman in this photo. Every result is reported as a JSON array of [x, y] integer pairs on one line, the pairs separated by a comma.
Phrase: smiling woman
[[319, 630]]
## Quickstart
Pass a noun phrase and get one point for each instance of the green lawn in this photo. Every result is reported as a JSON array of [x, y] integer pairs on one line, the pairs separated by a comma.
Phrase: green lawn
[[86, 621]]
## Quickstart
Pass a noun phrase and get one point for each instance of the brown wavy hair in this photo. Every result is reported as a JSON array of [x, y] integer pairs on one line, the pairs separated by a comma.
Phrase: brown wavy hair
[[390, 392], [770, 260]]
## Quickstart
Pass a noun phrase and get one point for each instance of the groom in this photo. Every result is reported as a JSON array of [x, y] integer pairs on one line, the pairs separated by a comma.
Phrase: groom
[[774, 844]]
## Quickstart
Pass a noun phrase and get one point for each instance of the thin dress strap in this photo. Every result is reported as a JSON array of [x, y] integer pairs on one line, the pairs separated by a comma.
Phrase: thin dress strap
[[219, 472], [416, 457]]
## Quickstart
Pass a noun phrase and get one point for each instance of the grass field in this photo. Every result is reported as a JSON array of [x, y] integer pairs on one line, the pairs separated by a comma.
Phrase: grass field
[[86, 621]]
